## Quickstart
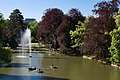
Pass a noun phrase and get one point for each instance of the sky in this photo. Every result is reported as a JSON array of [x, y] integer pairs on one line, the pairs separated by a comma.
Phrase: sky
[[36, 8]]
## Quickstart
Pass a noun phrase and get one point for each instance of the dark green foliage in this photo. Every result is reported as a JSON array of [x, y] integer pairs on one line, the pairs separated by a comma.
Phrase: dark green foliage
[[5, 55], [16, 26], [6, 33], [1, 28]]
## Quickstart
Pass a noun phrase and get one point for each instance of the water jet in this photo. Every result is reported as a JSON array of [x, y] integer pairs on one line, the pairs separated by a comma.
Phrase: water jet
[[25, 43]]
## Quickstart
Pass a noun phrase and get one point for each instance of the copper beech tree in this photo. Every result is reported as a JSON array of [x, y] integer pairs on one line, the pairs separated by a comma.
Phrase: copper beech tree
[[96, 41], [51, 20], [55, 26]]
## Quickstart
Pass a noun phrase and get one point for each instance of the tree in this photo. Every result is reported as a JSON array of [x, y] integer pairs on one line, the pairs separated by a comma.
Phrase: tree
[[68, 23], [77, 35], [6, 32], [16, 26], [5, 54], [63, 35], [76, 16], [34, 28], [96, 41], [1, 28], [50, 22], [115, 44]]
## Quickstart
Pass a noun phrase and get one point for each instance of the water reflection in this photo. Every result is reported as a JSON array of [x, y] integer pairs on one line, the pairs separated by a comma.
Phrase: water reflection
[[18, 65]]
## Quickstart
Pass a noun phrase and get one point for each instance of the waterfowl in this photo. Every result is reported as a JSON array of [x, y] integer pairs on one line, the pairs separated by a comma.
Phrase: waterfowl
[[40, 71], [32, 68], [53, 66], [30, 56], [52, 54]]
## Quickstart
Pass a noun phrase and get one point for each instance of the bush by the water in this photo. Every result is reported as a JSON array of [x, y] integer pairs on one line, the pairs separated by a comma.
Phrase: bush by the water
[[5, 55]]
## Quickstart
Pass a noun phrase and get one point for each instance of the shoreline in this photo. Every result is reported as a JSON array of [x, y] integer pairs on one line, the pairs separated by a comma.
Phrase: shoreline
[[46, 50], [101, 61]]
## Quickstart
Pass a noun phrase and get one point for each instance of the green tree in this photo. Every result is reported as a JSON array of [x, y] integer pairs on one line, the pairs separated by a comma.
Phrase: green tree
[[1, 28], [77, 35], [16, 26], [115, 44], [6, 32], [34, 28], [5, 54]]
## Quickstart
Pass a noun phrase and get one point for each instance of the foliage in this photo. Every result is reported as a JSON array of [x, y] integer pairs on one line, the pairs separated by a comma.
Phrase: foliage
[[5, 55], [16, 26], [16, 20], [55, 27], [106, 9], [50, 22], [1, 28], [96, 41], [76, 16], [68, 23], [115, 44], [77, 35], [6, 32], [63, 35], [34, 28]]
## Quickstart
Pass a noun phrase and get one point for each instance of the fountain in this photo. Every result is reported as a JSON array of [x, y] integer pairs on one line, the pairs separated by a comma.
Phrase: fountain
[[25, 43]]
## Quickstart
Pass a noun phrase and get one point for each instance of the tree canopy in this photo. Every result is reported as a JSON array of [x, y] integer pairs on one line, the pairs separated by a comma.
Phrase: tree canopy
[[77, 35], [34, 28], [115, 43], [55, 27], [16, 26], [48, 26], [96, 41], [1, 28]]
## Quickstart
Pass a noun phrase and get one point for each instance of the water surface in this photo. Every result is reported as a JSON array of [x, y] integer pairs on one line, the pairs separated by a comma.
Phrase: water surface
[[69, 68]]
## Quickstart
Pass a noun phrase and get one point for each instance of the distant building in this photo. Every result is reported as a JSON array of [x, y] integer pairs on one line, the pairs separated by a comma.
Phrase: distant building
[[30, 20]]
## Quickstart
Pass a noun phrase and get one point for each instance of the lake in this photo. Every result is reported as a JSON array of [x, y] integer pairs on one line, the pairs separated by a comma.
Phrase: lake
[[69, 68]]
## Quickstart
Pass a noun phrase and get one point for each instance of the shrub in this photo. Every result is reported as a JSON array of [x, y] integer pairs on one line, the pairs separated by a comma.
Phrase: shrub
[[5, 55]]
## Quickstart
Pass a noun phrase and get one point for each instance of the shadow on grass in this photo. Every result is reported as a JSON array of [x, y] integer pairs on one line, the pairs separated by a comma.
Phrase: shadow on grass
[[16, 77]]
